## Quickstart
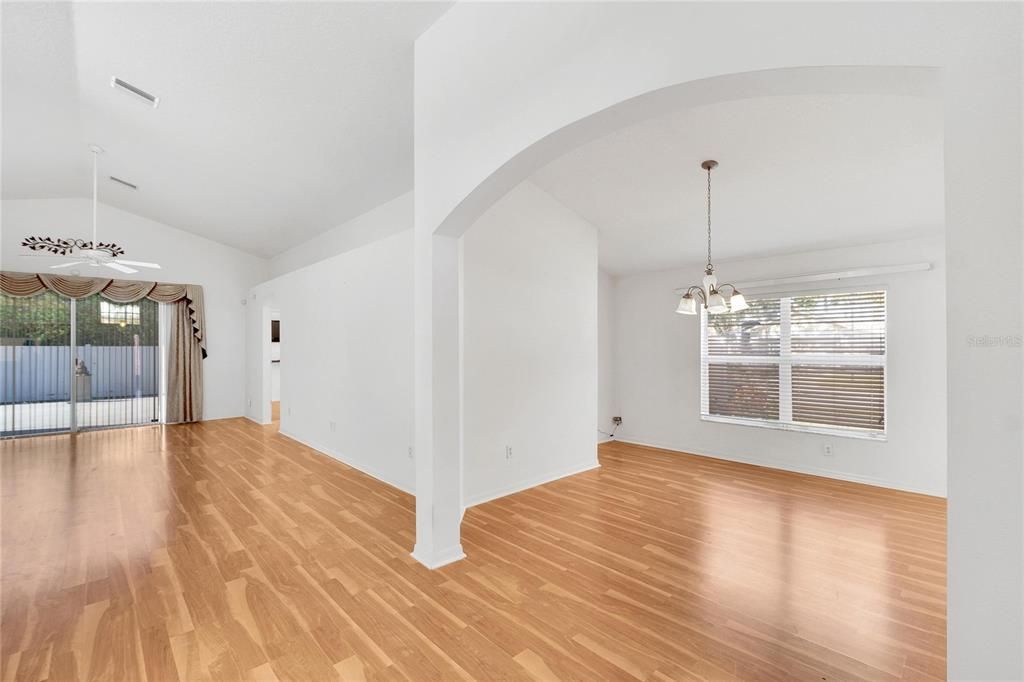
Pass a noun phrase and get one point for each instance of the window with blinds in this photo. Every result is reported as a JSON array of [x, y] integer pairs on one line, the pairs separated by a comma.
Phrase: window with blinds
[[812, 362]]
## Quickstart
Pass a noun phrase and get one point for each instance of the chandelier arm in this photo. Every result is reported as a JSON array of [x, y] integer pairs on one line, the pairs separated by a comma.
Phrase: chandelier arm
[[700, 293], [731, 286]]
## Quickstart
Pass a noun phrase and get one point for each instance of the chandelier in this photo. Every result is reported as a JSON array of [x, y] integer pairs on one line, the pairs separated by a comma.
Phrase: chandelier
[[709, 293]]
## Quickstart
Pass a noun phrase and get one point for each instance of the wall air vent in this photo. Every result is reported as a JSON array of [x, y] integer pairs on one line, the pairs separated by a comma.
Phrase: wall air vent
[[128, 88], [124, 182]]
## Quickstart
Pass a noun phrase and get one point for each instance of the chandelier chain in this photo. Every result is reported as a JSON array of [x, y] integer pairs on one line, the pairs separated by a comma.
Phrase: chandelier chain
[[711, 295], [709, 266]]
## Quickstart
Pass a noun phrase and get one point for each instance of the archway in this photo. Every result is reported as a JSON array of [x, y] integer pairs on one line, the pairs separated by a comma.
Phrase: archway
[[492, 84], [439, 459]]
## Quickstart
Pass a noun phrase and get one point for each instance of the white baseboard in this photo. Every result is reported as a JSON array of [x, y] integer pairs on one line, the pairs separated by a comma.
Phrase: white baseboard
[[439, 559], [531, 482], [786, 466], [383, 478]]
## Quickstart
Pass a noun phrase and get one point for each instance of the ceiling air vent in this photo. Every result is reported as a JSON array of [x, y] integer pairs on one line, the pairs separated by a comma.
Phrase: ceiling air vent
[[128, 88], [124, 182]]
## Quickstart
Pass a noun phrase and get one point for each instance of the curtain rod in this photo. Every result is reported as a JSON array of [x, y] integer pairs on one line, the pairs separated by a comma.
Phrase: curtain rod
[[830, 276]]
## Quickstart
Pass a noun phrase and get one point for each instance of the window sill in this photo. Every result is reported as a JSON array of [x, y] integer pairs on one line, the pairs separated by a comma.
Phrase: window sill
[[800, 428]]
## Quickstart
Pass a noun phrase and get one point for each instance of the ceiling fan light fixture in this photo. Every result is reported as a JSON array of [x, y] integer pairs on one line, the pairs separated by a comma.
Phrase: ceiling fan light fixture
[[93, 253]]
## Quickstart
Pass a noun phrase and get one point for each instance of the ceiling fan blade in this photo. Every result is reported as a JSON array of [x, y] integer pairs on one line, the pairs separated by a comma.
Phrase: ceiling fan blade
[[120, 268], [68, 265], [139, 264]]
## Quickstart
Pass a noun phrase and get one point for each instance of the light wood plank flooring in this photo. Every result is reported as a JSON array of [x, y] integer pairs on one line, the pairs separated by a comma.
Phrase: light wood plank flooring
[[225, 551]]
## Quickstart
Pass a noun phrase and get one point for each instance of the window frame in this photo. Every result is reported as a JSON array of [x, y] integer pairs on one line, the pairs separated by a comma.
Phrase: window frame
[[786, 360], [113, 313]]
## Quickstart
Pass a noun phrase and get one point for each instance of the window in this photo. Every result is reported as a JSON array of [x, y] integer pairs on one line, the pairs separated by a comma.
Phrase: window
[[113, 313], [809, 362]]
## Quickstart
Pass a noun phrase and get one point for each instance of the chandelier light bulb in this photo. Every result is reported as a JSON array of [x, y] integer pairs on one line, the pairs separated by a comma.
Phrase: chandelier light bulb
[[738, 302], [716, 304], [687, 305]]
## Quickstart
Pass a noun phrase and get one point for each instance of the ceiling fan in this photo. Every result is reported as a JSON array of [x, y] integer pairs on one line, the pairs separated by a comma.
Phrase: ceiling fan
[[93, 253]]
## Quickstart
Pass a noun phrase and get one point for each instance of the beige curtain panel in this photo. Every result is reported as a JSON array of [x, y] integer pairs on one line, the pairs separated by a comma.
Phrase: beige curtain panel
[[188, 326], [184, 369]]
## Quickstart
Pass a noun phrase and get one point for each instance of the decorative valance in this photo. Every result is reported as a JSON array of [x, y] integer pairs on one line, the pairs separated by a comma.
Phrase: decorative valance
[[22, 284]]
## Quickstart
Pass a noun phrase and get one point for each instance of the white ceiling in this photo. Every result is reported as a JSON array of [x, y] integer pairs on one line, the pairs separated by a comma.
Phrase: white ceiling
[[276, 120], [796, 173]]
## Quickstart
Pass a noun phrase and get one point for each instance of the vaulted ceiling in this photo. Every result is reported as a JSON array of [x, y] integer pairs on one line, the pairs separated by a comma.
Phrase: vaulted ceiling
[[797, 172], [276, 121]]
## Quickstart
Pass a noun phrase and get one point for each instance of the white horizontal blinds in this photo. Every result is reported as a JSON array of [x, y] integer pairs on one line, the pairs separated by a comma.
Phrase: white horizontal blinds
[[834, 395], [741, 362], [839, 324], [838, 346], [751, 332], [736, 390], [813, 361]]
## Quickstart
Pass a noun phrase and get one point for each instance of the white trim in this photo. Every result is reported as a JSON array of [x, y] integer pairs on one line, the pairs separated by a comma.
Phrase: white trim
[[442, 558], [799, 427], [796, 469], [259, 423], [530, 483], [785, 364], [358, 466], [800, 359]]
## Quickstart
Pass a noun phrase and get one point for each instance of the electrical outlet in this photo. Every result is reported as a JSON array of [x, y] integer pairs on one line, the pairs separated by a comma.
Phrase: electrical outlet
[[410, 452], [334, 426], [289, 411], [250, 402], [828, 450], [508, 452], [617, 421]]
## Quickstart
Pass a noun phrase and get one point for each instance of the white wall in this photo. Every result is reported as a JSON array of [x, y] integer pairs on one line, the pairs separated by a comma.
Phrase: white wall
[[607, 406], [346, 356], [382, 221], [657, 370], [530, 348], [225, 273]]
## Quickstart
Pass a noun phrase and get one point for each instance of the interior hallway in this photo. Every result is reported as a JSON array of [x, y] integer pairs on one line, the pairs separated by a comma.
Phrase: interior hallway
[[222, 550]]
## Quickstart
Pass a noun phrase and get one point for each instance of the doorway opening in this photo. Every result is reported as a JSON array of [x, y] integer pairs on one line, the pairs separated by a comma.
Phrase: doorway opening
[[275, 367]]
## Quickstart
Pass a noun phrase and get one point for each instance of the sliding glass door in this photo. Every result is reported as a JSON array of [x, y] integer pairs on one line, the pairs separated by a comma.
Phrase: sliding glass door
[[35, 364], [117, 362], [67, 364]]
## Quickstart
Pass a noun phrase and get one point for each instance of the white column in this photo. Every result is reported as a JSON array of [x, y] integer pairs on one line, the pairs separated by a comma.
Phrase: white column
[[437, 401]]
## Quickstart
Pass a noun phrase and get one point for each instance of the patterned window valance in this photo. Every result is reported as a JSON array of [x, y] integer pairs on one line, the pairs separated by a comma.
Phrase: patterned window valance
[[23, 284]]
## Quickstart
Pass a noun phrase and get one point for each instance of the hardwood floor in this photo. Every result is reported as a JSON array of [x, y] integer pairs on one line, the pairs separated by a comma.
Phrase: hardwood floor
[[225, 551]]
